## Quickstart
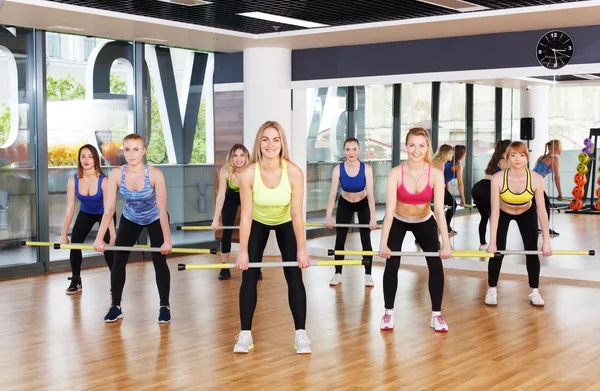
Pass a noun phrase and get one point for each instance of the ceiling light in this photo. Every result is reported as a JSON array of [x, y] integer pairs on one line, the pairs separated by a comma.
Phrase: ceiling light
[[64, 28], [282, 19], [456, 5], [148, 39], [187, 3]]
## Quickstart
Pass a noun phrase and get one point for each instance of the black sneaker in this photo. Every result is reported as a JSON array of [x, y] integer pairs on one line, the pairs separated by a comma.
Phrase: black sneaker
[[75, 285], [225, 274], [114, 314], [164, 315], [451, 231], [259, 274], [553, 233]]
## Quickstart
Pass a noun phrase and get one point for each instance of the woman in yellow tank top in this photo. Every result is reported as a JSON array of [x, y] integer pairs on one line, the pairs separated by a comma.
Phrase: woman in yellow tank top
[[512, 193], [272, 197]]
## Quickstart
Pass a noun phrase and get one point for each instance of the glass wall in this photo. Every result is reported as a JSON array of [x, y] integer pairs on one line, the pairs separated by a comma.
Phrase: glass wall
[[17, 159], [511, 114]]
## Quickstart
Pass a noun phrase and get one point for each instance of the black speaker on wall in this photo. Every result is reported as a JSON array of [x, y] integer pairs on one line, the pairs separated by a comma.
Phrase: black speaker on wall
[[527, 128]]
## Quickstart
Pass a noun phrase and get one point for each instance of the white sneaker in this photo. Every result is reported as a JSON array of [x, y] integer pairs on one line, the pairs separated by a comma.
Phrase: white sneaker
[[387, 320], [535, 299], [244, 342], [336, 280], [491, 297], [369, 280], [439, 323], [483, 247], [302, 343]]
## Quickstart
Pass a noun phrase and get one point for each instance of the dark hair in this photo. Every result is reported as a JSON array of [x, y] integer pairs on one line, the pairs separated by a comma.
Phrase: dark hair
[[351, 140], [498, 154], [459, 152], [95, 156]]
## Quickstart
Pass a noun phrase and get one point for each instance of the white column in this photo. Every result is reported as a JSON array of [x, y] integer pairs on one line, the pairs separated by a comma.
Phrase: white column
[[535, 103], [268, 97]]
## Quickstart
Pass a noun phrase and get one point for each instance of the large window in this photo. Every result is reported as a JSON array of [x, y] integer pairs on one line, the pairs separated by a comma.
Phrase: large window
[[17, 156], [511, 113], [180, 137], [452, 114], [415, 110], [327, 122], [484, 128], [89, 102]]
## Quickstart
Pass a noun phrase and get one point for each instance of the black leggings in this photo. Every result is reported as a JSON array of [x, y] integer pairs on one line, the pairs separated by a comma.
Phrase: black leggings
[[228, 213], [127, 235], [81, 229], [427, 236], [481, 193], [527, 222], [451, 202], [286, 240], [345, 212]]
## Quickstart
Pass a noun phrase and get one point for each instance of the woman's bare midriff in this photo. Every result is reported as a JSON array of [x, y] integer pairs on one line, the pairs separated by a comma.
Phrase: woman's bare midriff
[[413, 211], [354, 197], [514, 209]]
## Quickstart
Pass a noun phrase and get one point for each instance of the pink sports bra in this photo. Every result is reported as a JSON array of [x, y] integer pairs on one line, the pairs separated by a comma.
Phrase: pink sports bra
[[420, 198]]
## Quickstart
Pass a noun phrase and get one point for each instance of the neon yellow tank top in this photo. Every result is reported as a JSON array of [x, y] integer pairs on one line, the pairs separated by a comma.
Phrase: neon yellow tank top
[[511, 198], [271, 206]]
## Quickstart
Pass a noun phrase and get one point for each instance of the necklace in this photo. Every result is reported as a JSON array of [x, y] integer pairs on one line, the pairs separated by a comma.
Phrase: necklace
[[135, 176]]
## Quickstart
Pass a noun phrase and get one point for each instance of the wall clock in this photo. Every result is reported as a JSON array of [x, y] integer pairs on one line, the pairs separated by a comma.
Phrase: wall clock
[[555, 49]]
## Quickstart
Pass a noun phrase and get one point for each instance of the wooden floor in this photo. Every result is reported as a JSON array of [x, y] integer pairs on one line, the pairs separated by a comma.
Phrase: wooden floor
[[51, 341]]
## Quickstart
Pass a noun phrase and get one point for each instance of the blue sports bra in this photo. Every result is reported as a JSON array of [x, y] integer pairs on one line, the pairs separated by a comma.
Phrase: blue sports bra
[[353, 184]]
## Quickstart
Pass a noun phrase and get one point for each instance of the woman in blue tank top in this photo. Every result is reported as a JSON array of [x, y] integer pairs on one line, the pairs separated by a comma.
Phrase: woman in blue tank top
[[144, 191], [548, 163], [89, 186], [356, 180], [481, 191], [454, 170]]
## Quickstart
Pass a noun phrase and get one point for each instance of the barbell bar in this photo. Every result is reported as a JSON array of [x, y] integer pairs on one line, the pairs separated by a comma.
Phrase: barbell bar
[[174, 250], [199, 266], [208, 228], [455, 253], [52, 244]]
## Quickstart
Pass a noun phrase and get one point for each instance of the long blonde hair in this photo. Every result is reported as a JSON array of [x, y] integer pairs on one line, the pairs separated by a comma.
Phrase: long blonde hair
[[444, 153], [257, 154], [422, 132], [228, 165]]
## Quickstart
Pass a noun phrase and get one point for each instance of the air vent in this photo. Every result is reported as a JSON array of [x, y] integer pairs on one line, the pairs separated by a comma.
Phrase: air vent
[[456, 5], [187, 3]]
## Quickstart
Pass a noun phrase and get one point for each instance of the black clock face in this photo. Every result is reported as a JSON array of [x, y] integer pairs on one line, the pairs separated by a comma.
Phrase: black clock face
[[555, 49]]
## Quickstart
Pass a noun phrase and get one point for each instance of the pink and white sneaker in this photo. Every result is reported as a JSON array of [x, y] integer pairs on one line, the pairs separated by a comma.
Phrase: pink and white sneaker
[[439, 323], [387, 320]]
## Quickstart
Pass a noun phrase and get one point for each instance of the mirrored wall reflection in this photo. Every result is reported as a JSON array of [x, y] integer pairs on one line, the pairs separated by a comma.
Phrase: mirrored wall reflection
[[17, 158]]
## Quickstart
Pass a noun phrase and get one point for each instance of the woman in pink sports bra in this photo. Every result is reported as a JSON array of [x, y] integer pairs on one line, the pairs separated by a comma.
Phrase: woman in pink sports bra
[[410, 188]]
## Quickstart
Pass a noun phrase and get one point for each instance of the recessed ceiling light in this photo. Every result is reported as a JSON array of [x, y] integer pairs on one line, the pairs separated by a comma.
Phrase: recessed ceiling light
[[456, 5], [282, 19], [149, 39], [187, 3], [64, 28]]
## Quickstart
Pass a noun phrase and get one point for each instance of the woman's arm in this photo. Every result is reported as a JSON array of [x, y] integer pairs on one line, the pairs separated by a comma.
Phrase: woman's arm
[[246, 182], [220, 197], [391, 189], [297, 183], [160, 188], [335, 180], [439, 212], [111, 227], [70, 211], [461, 186], [110, 206], [495, 209], [556, 173], [371, 196]]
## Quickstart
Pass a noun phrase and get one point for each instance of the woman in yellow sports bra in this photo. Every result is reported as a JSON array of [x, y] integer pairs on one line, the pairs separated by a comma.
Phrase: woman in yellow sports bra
[[272, 197], [512, 193], [228, 199]]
